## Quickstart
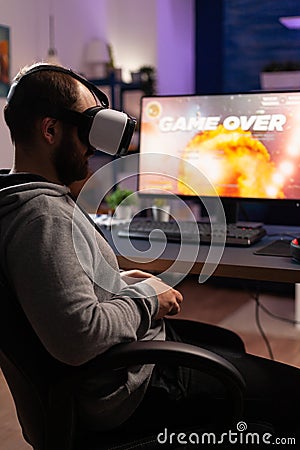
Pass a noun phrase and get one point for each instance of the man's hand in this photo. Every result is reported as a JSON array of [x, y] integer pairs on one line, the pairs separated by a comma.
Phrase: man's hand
[[169, 299]]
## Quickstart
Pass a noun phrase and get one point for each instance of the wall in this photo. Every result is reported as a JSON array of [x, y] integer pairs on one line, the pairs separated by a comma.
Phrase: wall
[[176, 46], [24, 38], [76, 22], [235, 39], [135, 28], [209, 46], [132, 30], [253, 37]]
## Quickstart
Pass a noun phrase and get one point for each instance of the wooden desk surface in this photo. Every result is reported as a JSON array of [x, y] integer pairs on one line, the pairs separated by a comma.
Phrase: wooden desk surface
[[235, 262]]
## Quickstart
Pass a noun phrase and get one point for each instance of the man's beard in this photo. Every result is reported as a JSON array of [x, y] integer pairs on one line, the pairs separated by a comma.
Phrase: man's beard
[[70, 164]]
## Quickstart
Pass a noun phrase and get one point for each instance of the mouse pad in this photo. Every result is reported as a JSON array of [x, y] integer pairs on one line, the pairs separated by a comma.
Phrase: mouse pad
[[281, 247]]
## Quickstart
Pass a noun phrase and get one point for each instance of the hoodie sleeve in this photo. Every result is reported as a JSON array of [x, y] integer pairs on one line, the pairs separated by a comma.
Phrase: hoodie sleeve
[[78, 307]]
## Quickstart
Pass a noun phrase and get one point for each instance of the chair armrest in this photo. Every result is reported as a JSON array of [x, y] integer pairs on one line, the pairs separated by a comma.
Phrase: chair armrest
[[137, 353], [173, 353], [170, 352]]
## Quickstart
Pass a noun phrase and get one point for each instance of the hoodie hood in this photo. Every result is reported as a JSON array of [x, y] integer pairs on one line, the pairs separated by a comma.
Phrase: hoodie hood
[[18, 188], [8, 179]]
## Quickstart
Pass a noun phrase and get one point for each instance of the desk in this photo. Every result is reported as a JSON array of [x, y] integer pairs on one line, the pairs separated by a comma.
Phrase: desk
[[235, 262]]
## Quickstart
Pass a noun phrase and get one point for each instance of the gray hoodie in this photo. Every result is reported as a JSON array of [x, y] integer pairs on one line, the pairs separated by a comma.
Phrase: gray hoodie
[[67, 280]]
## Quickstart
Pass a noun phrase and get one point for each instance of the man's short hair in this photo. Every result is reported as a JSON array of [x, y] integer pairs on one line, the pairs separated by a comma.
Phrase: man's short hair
[[34, 97]]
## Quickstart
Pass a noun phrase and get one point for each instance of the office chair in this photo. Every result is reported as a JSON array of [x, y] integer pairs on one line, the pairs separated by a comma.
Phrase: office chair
[[43, 388]]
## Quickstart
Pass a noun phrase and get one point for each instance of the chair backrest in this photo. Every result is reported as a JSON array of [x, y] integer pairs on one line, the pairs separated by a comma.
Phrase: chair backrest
[[28, 368]]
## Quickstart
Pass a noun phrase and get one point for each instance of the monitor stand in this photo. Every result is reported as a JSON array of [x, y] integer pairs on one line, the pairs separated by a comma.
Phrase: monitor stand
[[232, 214], [213, 209], [230, 210]]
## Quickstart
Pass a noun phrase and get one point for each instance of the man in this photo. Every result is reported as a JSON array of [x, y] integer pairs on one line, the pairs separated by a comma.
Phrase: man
[[75, 319], [81, 306]]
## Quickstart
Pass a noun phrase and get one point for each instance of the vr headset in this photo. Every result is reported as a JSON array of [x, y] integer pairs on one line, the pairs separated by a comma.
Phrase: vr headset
[[104, 129]]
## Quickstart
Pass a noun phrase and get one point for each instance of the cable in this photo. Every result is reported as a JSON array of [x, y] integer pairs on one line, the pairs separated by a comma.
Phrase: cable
[[275, 316], [255, 297], [259, 305], [259, 325]]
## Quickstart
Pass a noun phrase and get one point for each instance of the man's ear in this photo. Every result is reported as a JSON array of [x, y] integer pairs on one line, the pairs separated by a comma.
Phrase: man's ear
[[50, 129]]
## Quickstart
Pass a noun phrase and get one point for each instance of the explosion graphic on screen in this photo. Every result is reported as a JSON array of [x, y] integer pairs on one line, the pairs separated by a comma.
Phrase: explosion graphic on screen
[[237, 165]]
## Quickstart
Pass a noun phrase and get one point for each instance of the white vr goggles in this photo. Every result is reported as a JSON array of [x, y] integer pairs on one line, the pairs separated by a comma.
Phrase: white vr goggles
[[104, 129]]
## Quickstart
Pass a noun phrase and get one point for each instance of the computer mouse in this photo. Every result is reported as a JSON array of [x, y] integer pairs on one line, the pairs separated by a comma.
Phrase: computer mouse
[[295, 249]]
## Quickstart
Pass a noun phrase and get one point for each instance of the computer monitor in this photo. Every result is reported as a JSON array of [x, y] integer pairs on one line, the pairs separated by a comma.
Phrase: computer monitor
[[246, 144]]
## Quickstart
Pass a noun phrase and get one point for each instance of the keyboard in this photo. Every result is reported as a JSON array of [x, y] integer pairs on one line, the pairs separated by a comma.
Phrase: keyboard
[[193, 232]]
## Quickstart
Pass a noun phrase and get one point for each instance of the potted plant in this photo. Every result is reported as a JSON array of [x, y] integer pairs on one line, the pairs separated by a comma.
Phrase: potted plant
[[280, 75], [120, 203]]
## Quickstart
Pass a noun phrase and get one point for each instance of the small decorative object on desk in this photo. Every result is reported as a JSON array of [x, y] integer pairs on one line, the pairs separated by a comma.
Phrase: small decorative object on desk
[[120, 203], [161, 210]]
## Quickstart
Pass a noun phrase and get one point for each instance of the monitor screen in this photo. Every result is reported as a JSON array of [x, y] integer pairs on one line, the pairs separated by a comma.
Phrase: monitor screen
[[246, 144]]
